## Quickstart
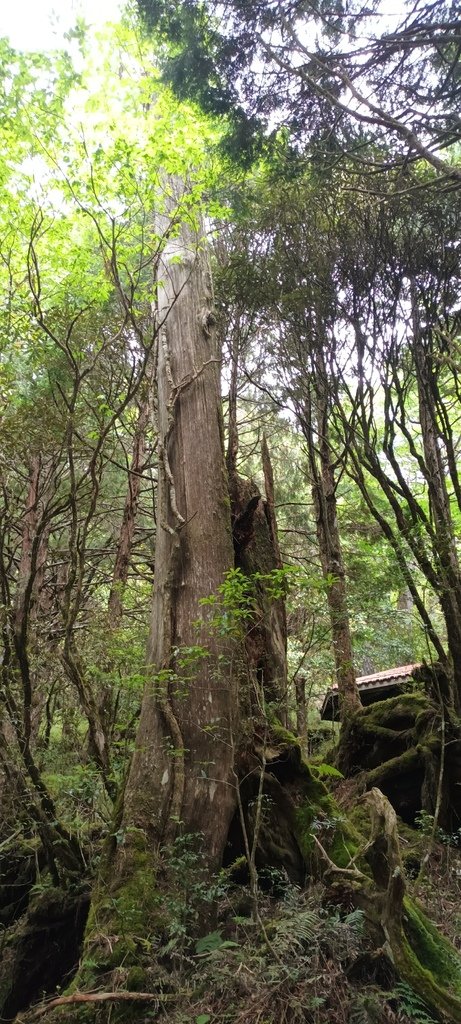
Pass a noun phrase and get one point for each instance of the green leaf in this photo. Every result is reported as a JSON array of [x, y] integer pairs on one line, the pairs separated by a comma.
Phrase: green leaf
[[328, 771], [209, 942]]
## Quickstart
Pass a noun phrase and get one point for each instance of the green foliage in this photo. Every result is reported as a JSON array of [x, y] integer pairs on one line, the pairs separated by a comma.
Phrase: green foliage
[[85, 157], [412, 1005], [189, 891], [232, 605], [326, 771], [290, 979], [425, 823], [214, 940], [79, 250], [264, 65], [302, 930], [366, 1008]]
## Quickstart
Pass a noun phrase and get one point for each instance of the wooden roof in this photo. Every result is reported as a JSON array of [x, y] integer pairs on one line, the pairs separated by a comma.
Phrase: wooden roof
[[374, 687]]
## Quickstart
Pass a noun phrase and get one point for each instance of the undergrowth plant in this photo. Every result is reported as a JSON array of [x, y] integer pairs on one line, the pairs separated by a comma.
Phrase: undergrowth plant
[[411, 1005], [236, 978]]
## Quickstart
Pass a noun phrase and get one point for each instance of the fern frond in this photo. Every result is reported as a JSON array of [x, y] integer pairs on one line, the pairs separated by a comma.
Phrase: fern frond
[[300, 929], [366, 1009], [412, 1005]]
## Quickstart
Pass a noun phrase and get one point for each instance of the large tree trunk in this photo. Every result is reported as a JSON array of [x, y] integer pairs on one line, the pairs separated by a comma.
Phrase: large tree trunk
[[182, 775], [182, 769]]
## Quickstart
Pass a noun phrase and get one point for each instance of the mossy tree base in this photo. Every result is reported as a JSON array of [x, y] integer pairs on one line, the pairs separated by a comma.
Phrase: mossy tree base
[[410, 747], [303, 835], [424, 959], [360, 866], [41, 949]]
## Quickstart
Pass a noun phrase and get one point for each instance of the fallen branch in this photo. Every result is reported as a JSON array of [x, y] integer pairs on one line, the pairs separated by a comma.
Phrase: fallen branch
[[350, 872], [94, 997]]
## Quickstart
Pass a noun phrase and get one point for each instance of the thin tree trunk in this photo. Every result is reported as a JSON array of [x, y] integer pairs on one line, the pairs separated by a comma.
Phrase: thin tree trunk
[[329, 541], [127, 528], [277, 632], [29, 597], [301, 717], [450, 589], [270, 499], [32, 563]]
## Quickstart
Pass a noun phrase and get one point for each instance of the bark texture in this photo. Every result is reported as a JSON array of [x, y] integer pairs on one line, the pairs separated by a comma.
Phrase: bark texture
[[182, 767]]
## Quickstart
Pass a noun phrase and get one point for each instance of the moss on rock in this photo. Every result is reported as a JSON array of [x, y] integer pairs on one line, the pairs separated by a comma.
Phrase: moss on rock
[[408, 761], [314, 810], [428, 963], [396, 744]]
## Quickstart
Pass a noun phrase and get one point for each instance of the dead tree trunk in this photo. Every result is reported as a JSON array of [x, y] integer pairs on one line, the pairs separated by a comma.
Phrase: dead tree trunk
[[257, 551]]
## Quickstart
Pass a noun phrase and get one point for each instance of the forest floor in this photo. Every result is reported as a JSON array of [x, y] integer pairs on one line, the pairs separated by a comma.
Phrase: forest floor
[[308, 958]]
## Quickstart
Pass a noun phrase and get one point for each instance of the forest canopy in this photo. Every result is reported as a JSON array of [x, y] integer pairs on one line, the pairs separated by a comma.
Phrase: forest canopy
[[379, 85]]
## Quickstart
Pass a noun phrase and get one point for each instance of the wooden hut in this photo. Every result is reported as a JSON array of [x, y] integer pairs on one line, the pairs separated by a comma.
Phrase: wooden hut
[[377, 686]]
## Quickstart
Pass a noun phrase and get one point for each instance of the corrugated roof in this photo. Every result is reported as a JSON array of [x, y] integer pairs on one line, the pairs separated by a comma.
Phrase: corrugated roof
[[401, 672], [377, 681]]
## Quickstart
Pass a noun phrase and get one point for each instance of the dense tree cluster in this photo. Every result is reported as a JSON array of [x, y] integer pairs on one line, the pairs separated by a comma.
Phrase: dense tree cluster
[[261, 199]]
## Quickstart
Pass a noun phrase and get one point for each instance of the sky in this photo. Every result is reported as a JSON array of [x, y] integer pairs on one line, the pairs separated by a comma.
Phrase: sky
[[41, 24]]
